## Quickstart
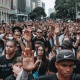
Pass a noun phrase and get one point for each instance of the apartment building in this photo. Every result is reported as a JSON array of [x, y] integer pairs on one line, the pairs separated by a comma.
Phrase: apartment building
[[36, 3], [18, 11]]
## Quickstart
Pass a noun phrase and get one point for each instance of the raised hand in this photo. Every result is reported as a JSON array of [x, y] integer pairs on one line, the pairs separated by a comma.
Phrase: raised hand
[[27, 35], [18, 39], [28, 60], [16, 70]]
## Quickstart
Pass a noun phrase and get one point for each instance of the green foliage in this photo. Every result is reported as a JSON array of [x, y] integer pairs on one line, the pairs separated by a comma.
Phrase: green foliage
[[53, 16], [65, 9], [37, 13]]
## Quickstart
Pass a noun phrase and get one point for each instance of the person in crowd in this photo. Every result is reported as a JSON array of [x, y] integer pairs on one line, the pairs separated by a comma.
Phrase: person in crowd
[[30, 54], [16, 68], [2, 32], [17, 32], [43, 66], [53, 51], [2, 44], [77, 64], [7, 59], [52, 54], [37, 44], [39, 37], [65, 60], [65, 45]]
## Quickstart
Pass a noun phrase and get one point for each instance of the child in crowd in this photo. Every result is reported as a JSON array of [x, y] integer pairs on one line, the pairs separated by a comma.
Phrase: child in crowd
[[17, 68]]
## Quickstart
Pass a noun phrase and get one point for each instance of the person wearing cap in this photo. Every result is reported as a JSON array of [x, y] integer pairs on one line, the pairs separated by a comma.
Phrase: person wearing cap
[[65, 45], [64, 63]]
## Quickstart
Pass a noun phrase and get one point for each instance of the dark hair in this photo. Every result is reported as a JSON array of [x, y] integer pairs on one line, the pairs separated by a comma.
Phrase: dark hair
[[17, 60], [39, 42], [2, 42], [44, 54], [17, 28], [13, 41], [54, 51], [39, 28], [53, 45]]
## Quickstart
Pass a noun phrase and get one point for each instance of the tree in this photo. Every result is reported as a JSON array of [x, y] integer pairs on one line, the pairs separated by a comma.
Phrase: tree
[[53, 16], [37, 13], [32, 15], [65, 9]]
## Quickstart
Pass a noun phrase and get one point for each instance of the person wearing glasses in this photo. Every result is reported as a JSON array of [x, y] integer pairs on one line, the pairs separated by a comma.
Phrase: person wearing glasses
[[39, 37]]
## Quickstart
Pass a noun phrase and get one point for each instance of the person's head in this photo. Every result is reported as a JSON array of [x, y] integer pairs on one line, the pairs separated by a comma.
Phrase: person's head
[[37, 44], [66, 45], [78, 53], [53, 47], [65, 63], [52, 54], [10, 47], [16, 29], [41, 52], [17, 63], [39, 33], [17, 35]]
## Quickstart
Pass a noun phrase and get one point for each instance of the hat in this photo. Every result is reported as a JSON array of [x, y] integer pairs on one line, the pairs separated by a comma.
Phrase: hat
[[67, 45], [67, 55], [18, 28]]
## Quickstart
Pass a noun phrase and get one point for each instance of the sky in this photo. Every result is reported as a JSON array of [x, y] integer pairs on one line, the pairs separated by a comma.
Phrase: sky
[[49, 4]]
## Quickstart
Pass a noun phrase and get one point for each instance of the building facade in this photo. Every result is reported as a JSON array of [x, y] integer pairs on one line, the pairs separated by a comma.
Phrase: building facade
[[18, 11], [50, 10], [28, 6], [5, 7], [43, 5], [36, 3]]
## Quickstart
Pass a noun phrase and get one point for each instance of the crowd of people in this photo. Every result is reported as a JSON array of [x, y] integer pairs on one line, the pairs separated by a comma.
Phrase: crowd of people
[[40, 50]]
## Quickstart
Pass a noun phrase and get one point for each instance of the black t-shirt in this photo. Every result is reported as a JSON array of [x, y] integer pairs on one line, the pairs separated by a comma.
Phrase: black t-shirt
[[43, 67], [52, 67], [6, 66], [11, 77], [77, 67], [54, 77]]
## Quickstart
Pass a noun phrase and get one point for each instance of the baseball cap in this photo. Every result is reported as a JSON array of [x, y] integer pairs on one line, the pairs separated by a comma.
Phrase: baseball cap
[[66, 45], [67, 55]]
